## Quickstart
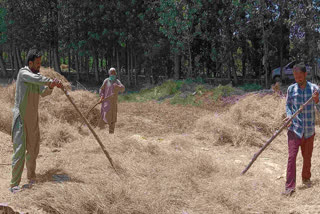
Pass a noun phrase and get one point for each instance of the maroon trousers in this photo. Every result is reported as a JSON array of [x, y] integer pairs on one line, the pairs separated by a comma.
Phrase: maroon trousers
[[294, 142]]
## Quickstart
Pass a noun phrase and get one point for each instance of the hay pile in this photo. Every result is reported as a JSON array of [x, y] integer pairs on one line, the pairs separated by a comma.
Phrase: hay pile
[[6, 105], [58, 117], [159, 149], [249, 122], [50, 73]]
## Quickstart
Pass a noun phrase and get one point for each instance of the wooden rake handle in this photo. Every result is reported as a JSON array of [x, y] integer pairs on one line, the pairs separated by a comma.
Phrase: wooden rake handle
[[95, 106], [91, 129], [256, 155]]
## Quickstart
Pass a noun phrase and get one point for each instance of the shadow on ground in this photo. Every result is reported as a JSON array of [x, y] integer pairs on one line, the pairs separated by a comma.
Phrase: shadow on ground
[[57, 176]]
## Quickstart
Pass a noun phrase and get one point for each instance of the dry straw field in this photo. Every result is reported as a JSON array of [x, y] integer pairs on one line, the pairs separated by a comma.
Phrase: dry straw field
[[171, 159]]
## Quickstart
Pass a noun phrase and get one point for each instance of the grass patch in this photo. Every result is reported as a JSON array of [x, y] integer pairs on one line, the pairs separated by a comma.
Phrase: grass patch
[[168, 88], [175, 90], [189, 100], [131, 96], [250, 87], [222, 91]]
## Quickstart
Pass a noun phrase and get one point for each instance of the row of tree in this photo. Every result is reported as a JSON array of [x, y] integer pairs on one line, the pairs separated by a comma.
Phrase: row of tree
[[174, 38]]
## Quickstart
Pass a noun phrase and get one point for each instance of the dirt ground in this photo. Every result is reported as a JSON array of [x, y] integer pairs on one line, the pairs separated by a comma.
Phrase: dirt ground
[[170, 159]]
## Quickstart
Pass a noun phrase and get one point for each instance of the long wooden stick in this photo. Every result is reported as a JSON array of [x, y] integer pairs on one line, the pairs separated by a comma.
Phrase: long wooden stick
[[91, 129], [256, 155], [95, 106]]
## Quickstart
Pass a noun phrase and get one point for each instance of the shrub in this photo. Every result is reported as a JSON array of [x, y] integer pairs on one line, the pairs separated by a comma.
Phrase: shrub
[[251, 87]]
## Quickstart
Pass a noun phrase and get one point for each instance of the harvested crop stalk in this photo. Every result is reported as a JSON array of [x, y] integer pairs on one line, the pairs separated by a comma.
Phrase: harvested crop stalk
[[256, 155], [91, 129]]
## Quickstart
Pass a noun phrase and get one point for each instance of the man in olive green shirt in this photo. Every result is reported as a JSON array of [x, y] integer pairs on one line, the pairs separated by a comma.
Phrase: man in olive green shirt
[[30, 85]]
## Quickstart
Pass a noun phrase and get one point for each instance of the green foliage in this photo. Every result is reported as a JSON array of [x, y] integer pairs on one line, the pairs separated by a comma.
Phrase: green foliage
[[141, 16], [208, 35], [105, 31], [189, 100], [179, 83], [199, 80], [93, 35], [251, 87], [200, 89], [176, 19], [171, 89], [221, 91], [213, 54], [166, 89], [129, 97], [235, 2], [90, 62]]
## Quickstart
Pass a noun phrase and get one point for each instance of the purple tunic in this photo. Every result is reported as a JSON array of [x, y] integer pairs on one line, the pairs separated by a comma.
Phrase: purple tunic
[[109, 107]]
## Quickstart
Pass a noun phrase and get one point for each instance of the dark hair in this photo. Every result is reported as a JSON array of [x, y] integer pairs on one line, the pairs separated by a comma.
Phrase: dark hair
[[32, 55], [300, 66]]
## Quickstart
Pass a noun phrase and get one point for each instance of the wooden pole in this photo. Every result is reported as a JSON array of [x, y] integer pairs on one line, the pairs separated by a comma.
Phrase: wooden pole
[[91, 129], [95, 106]]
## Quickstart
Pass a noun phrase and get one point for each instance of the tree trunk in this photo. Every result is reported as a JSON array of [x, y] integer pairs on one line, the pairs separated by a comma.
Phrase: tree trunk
[[49, 58], [62, 56], [118, 64], [69, 61], [265, 58], [100, 61], [15, 64], [230, 44], [233, 70], [177, 66], [52, 58], [128, 66], [133, 74], [77, 64], [19, 60], [244, 58], [107, 60], [266, 64], [56, 60], [2, 65], [282, 8], [81, 66], [190, 74], [95, 66], [86, 67], [136, 70], [151, 75], [281, 53], [11, 63]]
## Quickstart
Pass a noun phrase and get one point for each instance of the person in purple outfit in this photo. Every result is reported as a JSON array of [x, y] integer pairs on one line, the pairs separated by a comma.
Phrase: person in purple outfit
[[110, 88]]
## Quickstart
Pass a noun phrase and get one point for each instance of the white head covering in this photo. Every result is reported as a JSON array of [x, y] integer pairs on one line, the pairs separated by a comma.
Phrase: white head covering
[[111, 69]]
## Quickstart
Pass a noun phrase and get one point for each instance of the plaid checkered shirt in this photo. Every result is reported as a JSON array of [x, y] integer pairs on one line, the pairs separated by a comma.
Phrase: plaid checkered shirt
[[303, 123]]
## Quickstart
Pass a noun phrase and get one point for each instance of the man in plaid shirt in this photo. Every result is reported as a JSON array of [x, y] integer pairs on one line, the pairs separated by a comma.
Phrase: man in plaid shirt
[[301, 130]]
